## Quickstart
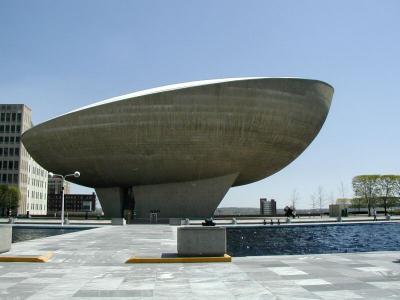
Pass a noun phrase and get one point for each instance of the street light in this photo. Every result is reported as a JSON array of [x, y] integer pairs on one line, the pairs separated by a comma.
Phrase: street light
[[76, 174]]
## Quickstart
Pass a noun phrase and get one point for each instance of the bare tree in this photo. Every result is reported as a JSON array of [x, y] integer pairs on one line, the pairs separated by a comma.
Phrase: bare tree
[[331, 198], [295, 198], [342, 190], [320, 198], [313, 201]]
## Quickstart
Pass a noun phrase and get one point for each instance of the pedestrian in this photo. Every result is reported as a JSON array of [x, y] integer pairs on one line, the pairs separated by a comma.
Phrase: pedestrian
[[374, 213]]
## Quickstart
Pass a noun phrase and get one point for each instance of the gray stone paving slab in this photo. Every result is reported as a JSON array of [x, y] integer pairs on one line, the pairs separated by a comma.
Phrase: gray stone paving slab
[[90, 265]]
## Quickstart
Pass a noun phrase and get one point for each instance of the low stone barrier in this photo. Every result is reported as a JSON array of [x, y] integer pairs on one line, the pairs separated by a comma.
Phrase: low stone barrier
[[201, 241], [118, 221], [5, 238], [176, 221]]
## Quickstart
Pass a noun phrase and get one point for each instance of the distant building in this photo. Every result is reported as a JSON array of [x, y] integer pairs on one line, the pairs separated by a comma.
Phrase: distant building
[[236, 211], [72, 203], [55, 184], [267, 207], [16, 165]]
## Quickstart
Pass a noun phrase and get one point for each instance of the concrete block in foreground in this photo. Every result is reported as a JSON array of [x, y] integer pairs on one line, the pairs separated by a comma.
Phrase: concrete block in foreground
[[5, 238], [201, 241], [118, 221], [175, 221]]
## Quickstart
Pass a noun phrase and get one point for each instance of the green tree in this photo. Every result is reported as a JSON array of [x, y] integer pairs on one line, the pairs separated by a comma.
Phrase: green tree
[[387, 189], [9, 198], [358, 202], [366, 187], [3, 206]]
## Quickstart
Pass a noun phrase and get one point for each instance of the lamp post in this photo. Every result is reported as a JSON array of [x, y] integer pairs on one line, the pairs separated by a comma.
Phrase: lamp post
[[76, 174]]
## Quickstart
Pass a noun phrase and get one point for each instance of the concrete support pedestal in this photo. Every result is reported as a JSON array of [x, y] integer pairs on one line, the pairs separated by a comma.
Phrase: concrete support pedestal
[[5, 238], [201, 241]]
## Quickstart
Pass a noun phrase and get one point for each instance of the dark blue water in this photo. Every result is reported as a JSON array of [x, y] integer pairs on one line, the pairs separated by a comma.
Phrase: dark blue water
[[312, 239], [20, 234]]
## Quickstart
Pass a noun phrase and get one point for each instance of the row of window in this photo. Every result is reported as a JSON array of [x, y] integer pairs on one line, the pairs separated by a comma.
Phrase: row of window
[[9, 165], [9, 151], [9, 139], [37, 195], [35, 182], [9, 178], [10, 128], [7, 117], [36, 206], [37, 171]]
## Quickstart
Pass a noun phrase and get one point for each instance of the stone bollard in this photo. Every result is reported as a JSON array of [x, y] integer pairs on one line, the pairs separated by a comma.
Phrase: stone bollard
[[234, 221], [118, 221], [175, 221], [201, 241], [388, 217], [187, 221], [5, 238]]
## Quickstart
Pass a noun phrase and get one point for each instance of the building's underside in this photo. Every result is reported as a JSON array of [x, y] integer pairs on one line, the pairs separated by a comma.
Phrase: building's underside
[[178, 149]]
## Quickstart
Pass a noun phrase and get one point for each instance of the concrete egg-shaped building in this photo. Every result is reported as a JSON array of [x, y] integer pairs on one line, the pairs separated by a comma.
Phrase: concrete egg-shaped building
[[179, 148]]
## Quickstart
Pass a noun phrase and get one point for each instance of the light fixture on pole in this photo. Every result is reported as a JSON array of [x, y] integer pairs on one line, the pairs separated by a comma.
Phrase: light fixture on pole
[[76, 174]]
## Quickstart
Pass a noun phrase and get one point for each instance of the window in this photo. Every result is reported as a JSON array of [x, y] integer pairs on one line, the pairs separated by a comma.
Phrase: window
[[16, 165], [11, 151], [7, 128], [12, 128], [1, 139], [4, 178], [1, 151], [8, 117], [16, 150], [15, 178], [3, 117], [19, 117], [17, 139], [1, 128], [10, 165], [11, 139], [13, 117], [9, 177], [5, 151], [6, 139], [18, 128]]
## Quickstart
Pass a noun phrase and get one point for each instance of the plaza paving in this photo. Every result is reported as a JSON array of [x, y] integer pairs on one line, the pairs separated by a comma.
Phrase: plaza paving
[[90, 265]]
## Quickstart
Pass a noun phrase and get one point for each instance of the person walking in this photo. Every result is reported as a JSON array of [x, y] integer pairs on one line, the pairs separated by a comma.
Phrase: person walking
[[374, 213]]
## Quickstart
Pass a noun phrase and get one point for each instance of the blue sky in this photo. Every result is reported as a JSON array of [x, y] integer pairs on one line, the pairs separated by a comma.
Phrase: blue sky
[[56, 56]]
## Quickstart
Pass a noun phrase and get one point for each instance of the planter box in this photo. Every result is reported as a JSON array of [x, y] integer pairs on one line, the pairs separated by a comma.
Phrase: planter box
[[5, 238], [201, 241]]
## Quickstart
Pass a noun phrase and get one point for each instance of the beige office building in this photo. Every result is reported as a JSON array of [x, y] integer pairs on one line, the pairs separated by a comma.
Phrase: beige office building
[[16, 165]]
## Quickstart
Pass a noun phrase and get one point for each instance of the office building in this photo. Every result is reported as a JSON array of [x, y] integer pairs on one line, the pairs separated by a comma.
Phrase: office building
[[267, 207], [72, 203], [16, 165], [55, 186]]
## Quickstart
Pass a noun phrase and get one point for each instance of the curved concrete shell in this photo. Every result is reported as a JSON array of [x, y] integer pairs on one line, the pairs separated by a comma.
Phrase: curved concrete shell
[[179, 148]]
